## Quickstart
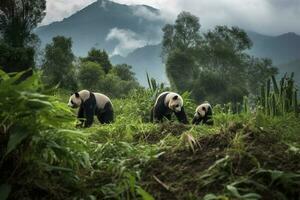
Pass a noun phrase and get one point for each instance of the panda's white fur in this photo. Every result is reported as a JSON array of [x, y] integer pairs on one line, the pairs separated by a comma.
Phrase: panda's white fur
[[166, 104], [200, 111], [101, 100], [174, 105], [91, 104], [75, 102]]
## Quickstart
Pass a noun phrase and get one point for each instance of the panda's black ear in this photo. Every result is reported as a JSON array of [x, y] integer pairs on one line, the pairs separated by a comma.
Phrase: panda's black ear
[[175, 97], [77, 94]]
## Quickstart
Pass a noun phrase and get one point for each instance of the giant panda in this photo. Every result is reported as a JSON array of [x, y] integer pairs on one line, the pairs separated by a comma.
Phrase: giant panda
[[91, 104], [166, 104], [203, 113]]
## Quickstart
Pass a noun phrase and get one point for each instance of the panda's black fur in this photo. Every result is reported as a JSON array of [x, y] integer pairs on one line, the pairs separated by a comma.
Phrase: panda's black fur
[[206, 118], [161, 110], [88, 108]]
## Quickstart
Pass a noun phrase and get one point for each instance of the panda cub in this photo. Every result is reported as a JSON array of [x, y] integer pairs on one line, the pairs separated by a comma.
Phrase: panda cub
[[166, 104], [91, 104], [203, 113]]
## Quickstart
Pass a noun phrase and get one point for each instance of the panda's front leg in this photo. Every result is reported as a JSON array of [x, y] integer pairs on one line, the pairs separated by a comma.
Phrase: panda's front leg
[[181, 116], [80, 116], [89, 115], [196, 120]]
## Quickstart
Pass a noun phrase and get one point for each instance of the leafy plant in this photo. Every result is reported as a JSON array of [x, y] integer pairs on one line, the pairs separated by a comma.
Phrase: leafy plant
[[282, 99]]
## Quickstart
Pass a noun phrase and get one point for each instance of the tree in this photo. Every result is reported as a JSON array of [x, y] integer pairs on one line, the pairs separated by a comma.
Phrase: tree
[[100, 57], [14, 59], [58, 67], [179, 43], [223, 49], [213, 65], [90, 73], [124, 72], [18, 18], [114, 86], [260, 69], [184, 34], [179, 69]]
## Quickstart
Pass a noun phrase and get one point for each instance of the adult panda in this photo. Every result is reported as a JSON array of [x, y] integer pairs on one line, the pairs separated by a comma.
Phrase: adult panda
[[203, 113], [91, 104], [166, 104]]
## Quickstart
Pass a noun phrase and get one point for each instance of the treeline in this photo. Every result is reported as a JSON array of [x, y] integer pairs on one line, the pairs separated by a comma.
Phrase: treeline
[[93, 72], [19, 50], [17, 41], [214, 65]]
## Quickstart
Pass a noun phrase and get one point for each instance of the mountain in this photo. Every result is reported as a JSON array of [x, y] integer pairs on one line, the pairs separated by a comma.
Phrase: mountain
[[293, 66], [107, 25], [281, 49], [131, 34], [145, 59], [284, 50]]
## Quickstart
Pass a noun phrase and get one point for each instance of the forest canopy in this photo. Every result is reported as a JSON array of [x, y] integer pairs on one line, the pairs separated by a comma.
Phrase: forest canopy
[[214, 65]]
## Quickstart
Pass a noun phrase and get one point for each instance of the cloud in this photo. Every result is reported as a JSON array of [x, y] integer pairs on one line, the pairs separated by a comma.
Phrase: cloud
[[146, 13], [57, 10], [271, 17], [127, 41]]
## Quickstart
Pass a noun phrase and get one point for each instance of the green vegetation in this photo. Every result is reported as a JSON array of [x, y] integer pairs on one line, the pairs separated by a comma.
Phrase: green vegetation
[[249, 155], [251, 152], [213, 65], [94, 72], [282, 99], [17, 40], [58, 63]]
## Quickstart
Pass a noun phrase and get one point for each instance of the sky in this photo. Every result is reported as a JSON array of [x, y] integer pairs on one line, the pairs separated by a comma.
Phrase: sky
[[271, 17]]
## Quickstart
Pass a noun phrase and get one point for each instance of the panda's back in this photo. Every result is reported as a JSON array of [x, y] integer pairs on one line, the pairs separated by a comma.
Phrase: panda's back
[[101, 100]]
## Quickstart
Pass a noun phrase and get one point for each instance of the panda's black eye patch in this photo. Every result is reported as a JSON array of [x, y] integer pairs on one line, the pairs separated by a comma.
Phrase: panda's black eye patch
[[203, 108], [177, 106], [72, 102]]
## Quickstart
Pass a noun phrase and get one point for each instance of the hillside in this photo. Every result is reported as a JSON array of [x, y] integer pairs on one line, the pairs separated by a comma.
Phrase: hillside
[[131, 34], [293, 66], [91, 26], [243, 156], [145, 59], [281, 49]]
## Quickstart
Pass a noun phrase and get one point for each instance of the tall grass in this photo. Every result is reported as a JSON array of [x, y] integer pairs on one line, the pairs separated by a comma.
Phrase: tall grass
[[43, 156], [281, 98]]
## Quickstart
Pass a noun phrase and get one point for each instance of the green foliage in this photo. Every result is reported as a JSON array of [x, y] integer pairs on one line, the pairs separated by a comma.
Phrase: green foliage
[[114, 86], [90, 74], [180, 67], [18, 19], [213, 65], [57, 67], [33, 134], [99, 57], [282, 99], [155, 87], [4, 191], [118, 82], [125, 72], [15, 59], [132, 159]]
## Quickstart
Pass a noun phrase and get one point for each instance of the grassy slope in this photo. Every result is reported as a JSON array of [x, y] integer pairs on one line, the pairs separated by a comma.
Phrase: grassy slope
[[172, 160], [240, 155]]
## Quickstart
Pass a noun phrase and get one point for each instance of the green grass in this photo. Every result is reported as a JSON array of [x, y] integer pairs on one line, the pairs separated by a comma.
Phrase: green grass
[[43, 156]]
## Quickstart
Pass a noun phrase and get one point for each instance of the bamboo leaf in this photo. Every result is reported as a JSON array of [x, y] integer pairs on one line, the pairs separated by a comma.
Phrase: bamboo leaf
[[4, 191]]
